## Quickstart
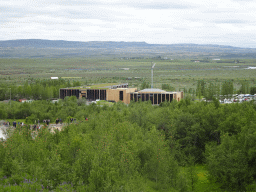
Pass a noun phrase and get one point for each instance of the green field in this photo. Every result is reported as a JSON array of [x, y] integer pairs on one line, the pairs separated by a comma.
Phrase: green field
[[178, 73]]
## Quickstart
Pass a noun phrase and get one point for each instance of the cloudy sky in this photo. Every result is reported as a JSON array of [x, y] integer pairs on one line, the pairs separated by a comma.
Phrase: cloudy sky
[[223, 22]]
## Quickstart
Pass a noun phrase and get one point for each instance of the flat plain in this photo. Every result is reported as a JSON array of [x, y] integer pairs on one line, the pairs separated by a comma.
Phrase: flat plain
[[180, 74]]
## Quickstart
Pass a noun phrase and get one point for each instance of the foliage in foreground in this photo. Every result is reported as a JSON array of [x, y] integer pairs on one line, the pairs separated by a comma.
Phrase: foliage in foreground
[[103, 154], [139, 147]]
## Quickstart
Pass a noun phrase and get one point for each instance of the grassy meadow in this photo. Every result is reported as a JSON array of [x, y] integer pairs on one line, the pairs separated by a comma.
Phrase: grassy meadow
[[179, 73]]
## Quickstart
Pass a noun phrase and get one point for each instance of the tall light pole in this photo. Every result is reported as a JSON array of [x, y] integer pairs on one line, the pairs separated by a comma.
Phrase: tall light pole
[[153, 65]]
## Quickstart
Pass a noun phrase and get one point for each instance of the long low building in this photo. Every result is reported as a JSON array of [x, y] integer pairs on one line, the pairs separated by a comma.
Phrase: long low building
[[156, 96], [124, 94]]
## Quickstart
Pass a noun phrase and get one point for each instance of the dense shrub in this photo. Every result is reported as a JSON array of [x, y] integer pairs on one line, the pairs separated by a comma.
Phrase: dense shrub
[[130, 148]]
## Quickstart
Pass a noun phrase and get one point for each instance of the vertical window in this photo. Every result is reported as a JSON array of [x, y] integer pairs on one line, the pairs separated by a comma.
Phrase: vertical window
[[155, 99], [151, 98], [147, 97], [135, 97], [142, 97], [163, 97], [167, 97], [97, 92], [121, 95], [131, 96], [139, 97], [159, 99], [77, 93], [171, 97]]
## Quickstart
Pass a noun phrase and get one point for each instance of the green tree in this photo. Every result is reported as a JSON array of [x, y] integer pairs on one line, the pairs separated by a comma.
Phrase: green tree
[[144, 85], [227, 88], [245, 87], [228, 164], [232, 163], [168, 87], [191, 172], [210, 91], [253, 90], [200, 90]]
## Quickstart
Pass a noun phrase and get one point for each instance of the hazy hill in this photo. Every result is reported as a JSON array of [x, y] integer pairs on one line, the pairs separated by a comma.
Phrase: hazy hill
[[37, 43], [60, 48]]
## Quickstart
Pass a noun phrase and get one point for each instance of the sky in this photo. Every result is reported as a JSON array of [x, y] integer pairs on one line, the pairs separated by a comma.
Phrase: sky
[[222, 22]]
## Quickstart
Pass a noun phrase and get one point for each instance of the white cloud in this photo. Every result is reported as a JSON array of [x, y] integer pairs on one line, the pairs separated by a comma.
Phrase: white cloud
[[229, 22]]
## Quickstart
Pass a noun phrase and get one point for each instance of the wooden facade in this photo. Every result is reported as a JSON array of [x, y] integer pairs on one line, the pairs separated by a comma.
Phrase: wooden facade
[[120, 94]]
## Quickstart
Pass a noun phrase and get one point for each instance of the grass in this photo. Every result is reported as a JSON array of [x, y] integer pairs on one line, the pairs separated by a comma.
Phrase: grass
[[178, 73], [17, 120], [102, 86], [71, 77], [102, 103], [203, 184]]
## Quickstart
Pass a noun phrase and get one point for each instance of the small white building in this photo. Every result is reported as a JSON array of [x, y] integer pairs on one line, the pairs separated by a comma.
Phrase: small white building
[[126, 69], [54, 77]]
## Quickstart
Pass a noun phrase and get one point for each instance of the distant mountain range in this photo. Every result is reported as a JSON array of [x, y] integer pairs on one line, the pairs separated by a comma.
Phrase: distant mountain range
[[29, 48]]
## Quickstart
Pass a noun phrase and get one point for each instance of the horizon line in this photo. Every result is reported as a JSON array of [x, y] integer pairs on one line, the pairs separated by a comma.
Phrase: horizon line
[[133, 42]]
